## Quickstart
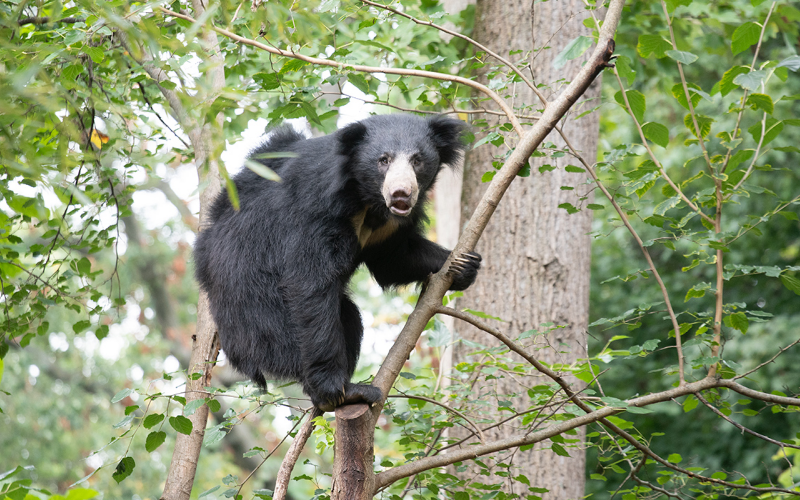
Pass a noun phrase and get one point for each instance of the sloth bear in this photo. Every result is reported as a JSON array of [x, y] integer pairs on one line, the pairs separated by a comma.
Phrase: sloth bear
[[277, 270]]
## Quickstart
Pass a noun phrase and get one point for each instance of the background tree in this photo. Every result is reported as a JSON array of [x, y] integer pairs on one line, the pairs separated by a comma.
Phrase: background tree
[[536, 269]]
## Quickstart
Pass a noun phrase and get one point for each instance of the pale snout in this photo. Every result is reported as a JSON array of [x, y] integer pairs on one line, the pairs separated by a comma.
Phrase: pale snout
[[400, 189]]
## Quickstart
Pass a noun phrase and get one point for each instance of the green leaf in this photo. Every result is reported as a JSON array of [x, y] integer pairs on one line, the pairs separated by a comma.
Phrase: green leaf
[[575, 170], [573, 50], [154, 440], [674, 458], [81, 494], [750, 81], [690, 403], [762, 102], [623, 64], [680, 95], [262, 170], [192, 406], [791, 283], [358, 82], [637, 102], [792, 62], [595, 206], [81, 326], [726, 85], [738, 321], [152, 420], [124, 393], [704, 122], [292, 65], [638, 411], [84, 266], [101, 332], [569, 207], [483, 315], [213, 405], [694, 293], [665, 205], [440, 335], [653, 44], [745, 35], [682, 57], [181, 424], [559, 450], [267, 81], [208, 492], [657, 133], [124, 469], [772, 127], [96, 53]]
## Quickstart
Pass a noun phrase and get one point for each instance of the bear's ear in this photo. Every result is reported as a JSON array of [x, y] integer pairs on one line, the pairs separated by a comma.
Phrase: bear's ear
[[448, 137], [350, 137]]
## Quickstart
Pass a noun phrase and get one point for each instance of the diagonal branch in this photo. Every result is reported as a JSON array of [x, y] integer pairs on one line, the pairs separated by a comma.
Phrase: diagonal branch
[[440, 282]]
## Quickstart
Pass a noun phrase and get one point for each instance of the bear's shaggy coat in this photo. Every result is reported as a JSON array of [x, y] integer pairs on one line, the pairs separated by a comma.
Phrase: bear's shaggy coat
[[277, 270]]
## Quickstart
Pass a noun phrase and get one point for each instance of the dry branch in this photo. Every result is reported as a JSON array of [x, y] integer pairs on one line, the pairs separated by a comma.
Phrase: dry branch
[[285, 471]]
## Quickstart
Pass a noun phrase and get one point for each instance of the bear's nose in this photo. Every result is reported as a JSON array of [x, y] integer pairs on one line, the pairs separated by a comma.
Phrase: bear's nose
[[401, 193]]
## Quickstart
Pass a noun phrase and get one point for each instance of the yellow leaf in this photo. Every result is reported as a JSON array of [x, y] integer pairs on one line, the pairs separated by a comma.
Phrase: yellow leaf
[[98, 139]]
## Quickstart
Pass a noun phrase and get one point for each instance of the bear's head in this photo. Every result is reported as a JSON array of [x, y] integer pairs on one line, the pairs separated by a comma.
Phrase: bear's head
[[395, 158]]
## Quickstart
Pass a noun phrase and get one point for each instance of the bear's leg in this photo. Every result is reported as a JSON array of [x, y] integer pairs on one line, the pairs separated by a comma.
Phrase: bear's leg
[[354, 333], [327, 359]]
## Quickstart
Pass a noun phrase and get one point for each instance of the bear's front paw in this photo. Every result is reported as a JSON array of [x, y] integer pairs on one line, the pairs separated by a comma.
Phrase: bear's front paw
[[464, 270]]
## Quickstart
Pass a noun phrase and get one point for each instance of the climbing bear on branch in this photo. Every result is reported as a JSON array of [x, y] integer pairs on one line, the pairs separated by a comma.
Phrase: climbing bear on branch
[[277, 270]]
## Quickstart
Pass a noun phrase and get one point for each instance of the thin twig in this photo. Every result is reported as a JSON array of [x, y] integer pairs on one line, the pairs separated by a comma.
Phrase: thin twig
[[652, 155], [664, 293], [770, 360], [285, 471], [268, 455], [689, 103], [744, 96], [477, 44], [447, 408], [755, 156], [741, 427], [46, 20]]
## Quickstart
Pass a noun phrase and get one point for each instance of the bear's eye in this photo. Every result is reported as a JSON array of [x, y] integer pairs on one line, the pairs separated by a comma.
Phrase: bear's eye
[[416, 161], [383, 161]]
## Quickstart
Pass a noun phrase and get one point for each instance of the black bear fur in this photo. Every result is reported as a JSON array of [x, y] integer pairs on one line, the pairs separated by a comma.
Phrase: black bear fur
[[277, 270]]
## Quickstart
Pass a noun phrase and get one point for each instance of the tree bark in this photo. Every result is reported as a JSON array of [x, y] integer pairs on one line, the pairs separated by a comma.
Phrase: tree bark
[[205, 342], [536, 256], [353, 475]]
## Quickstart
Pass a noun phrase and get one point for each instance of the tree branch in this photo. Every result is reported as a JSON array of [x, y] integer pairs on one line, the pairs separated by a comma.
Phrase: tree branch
[[405, 470], [741, 427], [367, 69], [285, 471], [475, 43]]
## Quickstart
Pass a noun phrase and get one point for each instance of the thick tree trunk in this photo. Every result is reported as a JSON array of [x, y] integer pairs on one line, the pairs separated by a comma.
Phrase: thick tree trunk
[[536, 256]]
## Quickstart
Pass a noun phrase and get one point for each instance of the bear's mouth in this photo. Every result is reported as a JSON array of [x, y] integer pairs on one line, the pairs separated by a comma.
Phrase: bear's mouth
[[400, 207]]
